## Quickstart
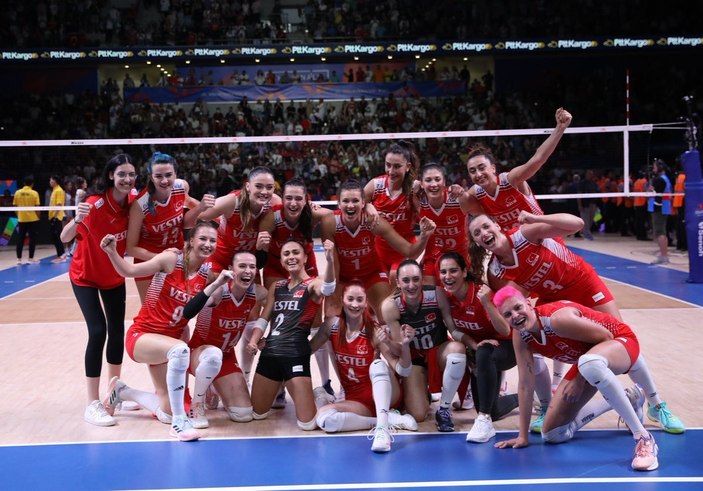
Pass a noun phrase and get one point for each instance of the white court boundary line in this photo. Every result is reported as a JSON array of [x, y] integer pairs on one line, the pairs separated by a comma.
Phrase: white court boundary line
[[288, 437]]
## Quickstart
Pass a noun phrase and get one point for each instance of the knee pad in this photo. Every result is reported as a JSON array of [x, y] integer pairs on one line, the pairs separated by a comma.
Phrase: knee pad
[[330, 420], [258, 416], [560, 434], [179, 357], [240, 414], [309, 426], [379, 371], [593, 368], [211, 357]]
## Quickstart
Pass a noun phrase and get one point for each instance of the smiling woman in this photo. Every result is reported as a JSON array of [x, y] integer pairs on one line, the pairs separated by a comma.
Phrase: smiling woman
[[155, 336]]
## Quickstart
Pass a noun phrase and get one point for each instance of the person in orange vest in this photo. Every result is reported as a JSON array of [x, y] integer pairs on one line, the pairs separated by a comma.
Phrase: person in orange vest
[[679, 211], [640, 206]]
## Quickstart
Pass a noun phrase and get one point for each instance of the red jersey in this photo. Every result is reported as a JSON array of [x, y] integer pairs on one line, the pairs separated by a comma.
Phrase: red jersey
[[451, 234], [357, 258], [550, 271], [398, 212], [354, 360], [507, 203], [162, 311], [164, 227], [551, 345], [90, 265], [282, 232], [471, 318], [232, 238], [223, 325]]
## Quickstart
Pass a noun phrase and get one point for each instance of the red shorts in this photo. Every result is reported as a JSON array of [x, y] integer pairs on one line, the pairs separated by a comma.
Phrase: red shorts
[[134, 333], [368, 281], [363, 394], [428, 358], [631, 344], [229, 358], [389, 257]]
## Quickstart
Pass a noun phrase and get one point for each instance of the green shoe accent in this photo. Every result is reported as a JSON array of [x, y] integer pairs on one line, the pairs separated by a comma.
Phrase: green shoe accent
[[661, 414]]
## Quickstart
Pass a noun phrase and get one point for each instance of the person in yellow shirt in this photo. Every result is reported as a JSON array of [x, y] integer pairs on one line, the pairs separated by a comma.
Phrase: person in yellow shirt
[[58, 198], [27, 221]]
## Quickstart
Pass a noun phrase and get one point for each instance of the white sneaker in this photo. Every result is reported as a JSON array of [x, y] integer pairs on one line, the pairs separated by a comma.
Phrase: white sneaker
[[96, 414], [321, 396], [467, 403], [163, 416], [340, 396], [636, 396], [197, 416], [182, 428], [113, 400], [401, 421], [130, 406], [382, 439], [482, 430]]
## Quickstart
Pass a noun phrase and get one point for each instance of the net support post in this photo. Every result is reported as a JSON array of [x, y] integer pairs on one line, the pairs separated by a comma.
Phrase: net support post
[[693, 189]]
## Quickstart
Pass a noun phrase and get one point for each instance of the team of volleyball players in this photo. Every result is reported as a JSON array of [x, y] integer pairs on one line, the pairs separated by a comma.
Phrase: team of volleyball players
[[398, 328]]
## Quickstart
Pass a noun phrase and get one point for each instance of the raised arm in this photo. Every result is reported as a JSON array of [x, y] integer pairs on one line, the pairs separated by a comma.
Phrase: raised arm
[[325, 286], [162, 262], [262, 322], [501, 326], [518, 175], [427, 228], [457, 335], [224, 205], [71, 229], [537, 227], [191, 218]]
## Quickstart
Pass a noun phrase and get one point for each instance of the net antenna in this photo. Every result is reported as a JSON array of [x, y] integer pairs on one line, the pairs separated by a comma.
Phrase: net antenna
[[691, 128]]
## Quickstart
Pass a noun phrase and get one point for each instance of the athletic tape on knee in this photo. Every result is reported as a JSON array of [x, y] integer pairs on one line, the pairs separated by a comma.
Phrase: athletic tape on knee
[[560, 434], [241, 414], [309, 426], [594, 368], [179, 357]]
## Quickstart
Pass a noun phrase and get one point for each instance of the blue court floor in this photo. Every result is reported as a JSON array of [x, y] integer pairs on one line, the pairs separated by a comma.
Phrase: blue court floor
[[592, 460]]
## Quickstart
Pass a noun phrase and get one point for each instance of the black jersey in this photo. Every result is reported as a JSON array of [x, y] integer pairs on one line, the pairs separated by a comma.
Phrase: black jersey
[[428, 322], [291, 320]]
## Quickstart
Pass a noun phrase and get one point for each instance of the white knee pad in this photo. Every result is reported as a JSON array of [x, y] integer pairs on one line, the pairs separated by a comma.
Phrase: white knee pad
[[179, 357], [593, 368], [330, 420], [240, 414], [309, 426], [560, 434], [258, 416], [379, 371], [211, 357]]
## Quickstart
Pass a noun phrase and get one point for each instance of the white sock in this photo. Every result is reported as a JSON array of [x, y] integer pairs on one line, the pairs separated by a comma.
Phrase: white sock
[[178, 361], [210, 362], [381, 387], [543, 382], [639, 373], [147, 400], [559, 369], [451, 378]]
